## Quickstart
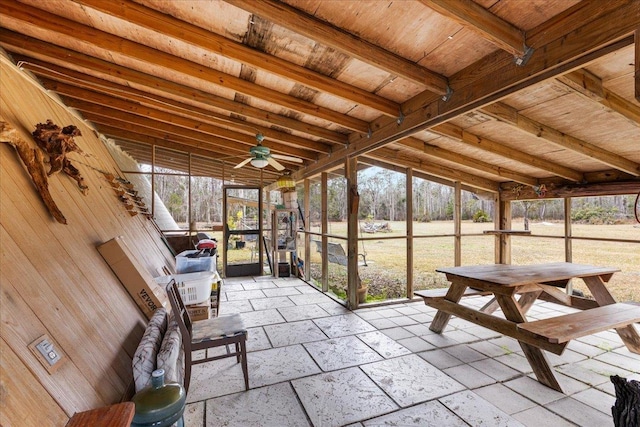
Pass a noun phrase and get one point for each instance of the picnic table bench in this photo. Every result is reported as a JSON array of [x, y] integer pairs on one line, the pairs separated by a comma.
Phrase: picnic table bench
[[534, 282]]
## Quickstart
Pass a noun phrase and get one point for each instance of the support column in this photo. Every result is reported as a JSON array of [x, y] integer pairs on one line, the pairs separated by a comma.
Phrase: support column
[[457, 223], [325, 229], [409, 220], [496, 226], [505, 224], [307, 228], [637, 66], [568, 249], [353, 201]]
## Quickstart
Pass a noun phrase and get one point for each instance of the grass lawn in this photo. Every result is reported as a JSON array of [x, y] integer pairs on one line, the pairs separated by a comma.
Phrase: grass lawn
[[386, 259]]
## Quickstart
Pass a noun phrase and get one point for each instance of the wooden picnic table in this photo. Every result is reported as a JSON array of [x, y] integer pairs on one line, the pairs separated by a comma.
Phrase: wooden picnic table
[[532, 282]]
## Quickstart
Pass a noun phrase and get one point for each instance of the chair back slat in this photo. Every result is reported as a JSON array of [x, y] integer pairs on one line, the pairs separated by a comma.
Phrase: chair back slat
[[179, 310]]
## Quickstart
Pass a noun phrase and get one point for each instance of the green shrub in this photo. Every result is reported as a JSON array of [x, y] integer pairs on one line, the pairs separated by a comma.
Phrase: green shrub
[[481, 216], [590, 214]]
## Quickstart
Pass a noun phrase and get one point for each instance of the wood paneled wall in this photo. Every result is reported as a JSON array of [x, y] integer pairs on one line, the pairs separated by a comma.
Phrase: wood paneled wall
[[53, 280]]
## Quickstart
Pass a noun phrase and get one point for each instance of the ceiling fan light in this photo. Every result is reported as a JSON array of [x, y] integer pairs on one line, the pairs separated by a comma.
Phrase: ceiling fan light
[[259, 163]]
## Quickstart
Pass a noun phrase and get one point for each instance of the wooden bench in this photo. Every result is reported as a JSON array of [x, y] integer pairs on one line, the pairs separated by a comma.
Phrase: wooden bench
[[442, 292], [336, 253], [566, 327]]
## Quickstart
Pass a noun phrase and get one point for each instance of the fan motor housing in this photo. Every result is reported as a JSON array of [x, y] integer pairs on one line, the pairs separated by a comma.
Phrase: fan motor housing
[[259, 150]]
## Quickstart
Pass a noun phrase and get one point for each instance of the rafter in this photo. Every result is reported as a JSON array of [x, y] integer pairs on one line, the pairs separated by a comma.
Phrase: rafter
[[591, 87], [142, 153], [393, 156], [12, 41], [487, 144], [510, 115], [571, 190], [571, 19], [495, 77], [168, 25], [441, 153], [138, 131], [470, 14], [139, 52], [125, 99], [367, 160], [148, 117], [309, 26]]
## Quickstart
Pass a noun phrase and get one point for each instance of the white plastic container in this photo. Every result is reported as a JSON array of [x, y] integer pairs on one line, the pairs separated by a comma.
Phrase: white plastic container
[[184, 264], [195, 288]]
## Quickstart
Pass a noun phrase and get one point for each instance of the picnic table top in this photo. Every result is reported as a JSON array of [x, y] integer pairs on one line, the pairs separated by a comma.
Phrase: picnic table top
[[516, 275]]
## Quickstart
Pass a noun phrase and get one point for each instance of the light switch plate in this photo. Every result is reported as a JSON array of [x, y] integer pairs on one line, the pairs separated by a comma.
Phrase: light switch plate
[[48, 352]]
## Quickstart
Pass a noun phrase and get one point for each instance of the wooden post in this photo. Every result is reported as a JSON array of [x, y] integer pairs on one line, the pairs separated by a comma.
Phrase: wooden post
[[496, 226], [307, 228], [568, 249], [351, 172], [325, 229], [637, 66], [409, 220], [457, 223], [505, 238]]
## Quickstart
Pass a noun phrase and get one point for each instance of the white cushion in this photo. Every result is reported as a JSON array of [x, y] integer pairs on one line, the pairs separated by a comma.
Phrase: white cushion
[[144, 359], [171, 355]]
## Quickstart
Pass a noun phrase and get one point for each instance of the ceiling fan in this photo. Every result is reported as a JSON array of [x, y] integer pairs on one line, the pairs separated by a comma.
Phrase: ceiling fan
[[261, 157]]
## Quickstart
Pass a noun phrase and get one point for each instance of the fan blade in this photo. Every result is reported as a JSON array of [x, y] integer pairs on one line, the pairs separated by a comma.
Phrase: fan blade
[[288, 158], [275, 164], [242, 163]]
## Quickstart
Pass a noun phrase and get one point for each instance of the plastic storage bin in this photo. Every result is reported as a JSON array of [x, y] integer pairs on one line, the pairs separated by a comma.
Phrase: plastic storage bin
[[195, 288], [185, 264]]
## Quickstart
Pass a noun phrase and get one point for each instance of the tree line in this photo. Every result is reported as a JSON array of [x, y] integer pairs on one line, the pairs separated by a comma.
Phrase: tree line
[[383, 198]]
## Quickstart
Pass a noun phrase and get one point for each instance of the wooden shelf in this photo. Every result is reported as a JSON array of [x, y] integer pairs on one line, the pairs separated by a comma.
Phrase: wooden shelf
[[507, 232]]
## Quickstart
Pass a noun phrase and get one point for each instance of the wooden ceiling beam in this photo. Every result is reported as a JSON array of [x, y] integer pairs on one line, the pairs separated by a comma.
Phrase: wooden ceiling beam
[[486, 144], [35, 48], [126, 102], [135, 113], [324, 33], [169, 26], [139, 52], [137, 132], [416, 174], [510, 115], [491, 27], [570, 20], [218, 148], [590, 86], [450, 156], [395, 157], [135, 143], [495, 77], [595, 189]]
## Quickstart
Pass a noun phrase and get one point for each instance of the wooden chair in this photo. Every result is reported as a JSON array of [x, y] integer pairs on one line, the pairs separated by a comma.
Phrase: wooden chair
[[205, 334]]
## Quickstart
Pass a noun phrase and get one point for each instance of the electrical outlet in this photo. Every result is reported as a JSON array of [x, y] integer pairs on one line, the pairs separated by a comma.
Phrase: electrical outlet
[[48, 352]]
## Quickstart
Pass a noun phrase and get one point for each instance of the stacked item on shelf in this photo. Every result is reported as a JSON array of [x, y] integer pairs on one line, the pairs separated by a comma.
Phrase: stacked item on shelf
[[198, 280]]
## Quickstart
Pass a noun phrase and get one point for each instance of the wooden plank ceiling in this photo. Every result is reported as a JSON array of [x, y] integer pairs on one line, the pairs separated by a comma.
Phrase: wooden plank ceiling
[[492, 93]]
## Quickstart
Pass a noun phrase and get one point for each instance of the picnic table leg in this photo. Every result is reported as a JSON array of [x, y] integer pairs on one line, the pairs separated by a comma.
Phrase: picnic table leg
[[440, 320], [627, 334], [537, 359]]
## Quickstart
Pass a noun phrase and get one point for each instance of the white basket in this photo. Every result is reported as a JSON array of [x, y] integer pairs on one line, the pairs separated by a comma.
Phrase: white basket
[[195, 288]]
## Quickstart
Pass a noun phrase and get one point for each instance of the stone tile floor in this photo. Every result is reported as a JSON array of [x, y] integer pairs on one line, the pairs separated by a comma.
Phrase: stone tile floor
[[314, 363]]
